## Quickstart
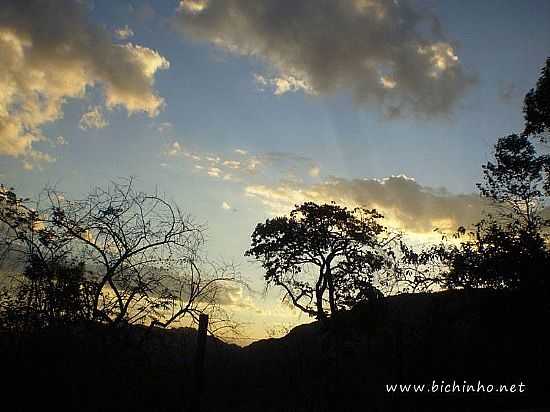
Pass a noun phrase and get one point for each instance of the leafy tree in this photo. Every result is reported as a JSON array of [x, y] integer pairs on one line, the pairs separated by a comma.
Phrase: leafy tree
[[324, 257], [514, 181], [499, 256], [536, 108], [57, 291], [417, 270], [509, 248]]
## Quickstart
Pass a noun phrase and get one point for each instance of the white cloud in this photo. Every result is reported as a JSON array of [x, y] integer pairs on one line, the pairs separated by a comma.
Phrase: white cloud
[[232, 164], [124, 33], [214, 171], [246, 165], [213, 159], [60, 141], [283, 84]]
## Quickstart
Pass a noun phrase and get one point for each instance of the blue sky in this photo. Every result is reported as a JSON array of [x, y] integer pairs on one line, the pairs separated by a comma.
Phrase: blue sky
[[214, 104]]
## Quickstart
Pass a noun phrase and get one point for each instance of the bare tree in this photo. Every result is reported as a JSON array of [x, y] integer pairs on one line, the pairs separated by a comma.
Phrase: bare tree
[[141, 256]]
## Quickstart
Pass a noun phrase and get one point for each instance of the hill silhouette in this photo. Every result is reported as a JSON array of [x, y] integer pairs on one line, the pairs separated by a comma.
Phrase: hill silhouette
[[495, 337]]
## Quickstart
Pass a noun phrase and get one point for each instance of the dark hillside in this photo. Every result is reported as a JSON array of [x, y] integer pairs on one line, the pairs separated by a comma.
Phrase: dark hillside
[[493, 337]]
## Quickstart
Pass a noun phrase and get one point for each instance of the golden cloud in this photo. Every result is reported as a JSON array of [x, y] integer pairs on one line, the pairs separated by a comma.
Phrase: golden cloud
[[50, 52], [405, 204], [93, 119]]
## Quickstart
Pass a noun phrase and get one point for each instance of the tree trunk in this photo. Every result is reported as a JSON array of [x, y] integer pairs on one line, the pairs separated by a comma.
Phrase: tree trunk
[[321, 315], [330, 283]]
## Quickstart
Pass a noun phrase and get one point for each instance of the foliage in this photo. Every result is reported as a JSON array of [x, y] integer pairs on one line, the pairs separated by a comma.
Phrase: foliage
[[509, 248], [417, 270], [499, 256], [324, 257], [513, 182], [536, 108]]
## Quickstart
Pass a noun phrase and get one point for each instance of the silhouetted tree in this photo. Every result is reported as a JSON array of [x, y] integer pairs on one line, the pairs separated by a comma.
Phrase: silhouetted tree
[[514, 181], [416, 270], [118, 256], [536, 108], [324, 257], [536, 111], [499, 256], [55, 293], [509, 248]]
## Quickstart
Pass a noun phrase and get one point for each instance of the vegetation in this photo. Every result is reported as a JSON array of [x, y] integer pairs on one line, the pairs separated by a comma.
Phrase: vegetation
[[536, 108], [509, 248], [117, 257], [324, 257]]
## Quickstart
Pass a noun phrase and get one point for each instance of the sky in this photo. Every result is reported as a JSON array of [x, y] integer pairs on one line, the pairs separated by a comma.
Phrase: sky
[[238, 110]]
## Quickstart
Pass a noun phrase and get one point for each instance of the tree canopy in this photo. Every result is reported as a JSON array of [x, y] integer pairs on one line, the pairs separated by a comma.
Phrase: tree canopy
[[509, 247], [514, 181], [536, 107], [324, 257]]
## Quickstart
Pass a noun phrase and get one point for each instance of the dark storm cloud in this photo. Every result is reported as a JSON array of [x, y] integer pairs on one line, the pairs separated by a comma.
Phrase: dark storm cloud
[[378, 50]]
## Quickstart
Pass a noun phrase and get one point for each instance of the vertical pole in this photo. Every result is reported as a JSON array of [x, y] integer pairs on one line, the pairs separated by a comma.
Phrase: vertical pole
[[199, 363]]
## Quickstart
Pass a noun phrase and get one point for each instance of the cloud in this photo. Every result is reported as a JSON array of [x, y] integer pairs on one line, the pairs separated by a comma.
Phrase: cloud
[[165, 127], [236, 298], [406, 204], [242, 165], [35, 158], [232, 164], [315, 171], [214, 171], [93, 119], [174, 150], [227, 206], [382, 51], [282, 85], [50, 52], [60, 141], [124, 33]]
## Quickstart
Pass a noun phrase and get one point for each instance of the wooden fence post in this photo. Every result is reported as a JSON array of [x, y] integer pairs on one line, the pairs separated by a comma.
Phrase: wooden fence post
[[199, 363]]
